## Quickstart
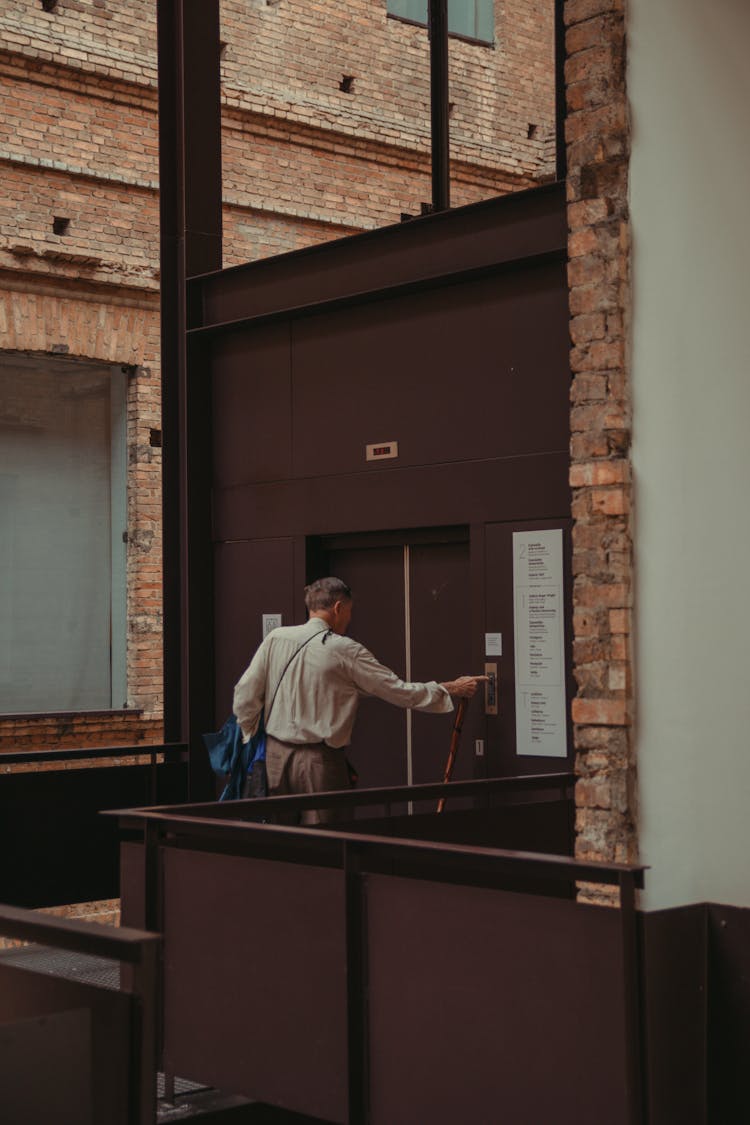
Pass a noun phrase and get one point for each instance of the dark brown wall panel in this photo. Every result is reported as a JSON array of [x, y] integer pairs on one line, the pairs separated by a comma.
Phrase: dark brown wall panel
[[75, 852], [25, 995], [728, 1013], [456, 373], [487, 1006], [252, 406], [251, 579], [255, 979], [675, 1002], [436, 495]]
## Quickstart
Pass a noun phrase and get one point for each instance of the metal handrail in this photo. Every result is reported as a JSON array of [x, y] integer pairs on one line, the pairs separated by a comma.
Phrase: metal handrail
[[330, 845], [342, 798], [171, 750], [115, 943]]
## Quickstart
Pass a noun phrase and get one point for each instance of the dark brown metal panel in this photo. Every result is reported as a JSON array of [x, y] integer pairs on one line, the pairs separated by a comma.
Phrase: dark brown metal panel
[[487, 1006], [74, 852], [252, 578], [132, 884], [441, 650], [252, 406], [255, 979], [398, 369], [473, 491], [492, 232], [376, 576], [728, 1013], [675, 1001], [63, 1041], [25, 995], [501, 729], [533, 827]]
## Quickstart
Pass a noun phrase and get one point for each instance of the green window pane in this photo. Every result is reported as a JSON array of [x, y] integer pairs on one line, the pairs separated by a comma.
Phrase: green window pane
[[409, 9], [472, 18]]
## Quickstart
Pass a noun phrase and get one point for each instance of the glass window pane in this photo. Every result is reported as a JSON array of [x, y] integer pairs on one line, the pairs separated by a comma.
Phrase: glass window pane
[[55, 563], [461, 18], [485, 21], [409, 9], [472, 18]]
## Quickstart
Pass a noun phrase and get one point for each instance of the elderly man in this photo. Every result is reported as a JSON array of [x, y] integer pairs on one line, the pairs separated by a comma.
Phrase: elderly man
[[309, 679]]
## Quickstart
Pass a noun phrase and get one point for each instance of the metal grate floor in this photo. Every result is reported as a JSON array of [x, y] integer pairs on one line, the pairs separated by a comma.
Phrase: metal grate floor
[[60, 963]]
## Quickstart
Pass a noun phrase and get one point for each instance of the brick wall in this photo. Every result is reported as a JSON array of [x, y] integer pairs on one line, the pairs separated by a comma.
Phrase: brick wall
[[597, 134], [105, 911], [287, 60]]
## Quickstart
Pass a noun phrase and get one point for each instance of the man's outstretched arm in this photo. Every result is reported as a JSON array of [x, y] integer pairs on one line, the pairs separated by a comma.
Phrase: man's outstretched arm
[[373, 678]]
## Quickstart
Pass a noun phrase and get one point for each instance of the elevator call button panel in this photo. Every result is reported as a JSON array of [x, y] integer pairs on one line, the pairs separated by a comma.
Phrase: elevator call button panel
[[490, 689]]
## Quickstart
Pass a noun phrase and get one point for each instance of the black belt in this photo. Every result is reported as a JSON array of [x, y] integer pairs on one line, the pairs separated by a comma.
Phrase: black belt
[[301, 745]]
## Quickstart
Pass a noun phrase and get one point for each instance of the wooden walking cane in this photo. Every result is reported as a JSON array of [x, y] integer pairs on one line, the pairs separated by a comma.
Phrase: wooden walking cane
[[454, 747]]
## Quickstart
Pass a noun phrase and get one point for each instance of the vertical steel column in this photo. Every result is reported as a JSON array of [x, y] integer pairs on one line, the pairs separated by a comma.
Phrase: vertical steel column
[[633, 993], [144, 986], [438, 33], [356, 985], [561, 155], [190, 243]]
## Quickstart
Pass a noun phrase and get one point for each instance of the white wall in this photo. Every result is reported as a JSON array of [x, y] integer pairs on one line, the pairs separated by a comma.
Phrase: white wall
[[689, 85]]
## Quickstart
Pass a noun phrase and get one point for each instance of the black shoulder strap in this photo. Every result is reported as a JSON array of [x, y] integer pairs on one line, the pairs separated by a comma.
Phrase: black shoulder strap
[[286, 666]]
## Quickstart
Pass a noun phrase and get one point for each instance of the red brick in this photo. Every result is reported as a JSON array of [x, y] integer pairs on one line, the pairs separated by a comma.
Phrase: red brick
[[593, 595], [600, 712], [619, 620], [610, 502], [599, 473]]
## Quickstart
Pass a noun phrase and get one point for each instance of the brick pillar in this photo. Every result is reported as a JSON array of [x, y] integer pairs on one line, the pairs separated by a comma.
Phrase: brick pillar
[[598, 138]]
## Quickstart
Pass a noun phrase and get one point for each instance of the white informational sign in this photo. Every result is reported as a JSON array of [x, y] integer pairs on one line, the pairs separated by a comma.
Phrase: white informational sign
[[493, 644], [541, 714], [270, 621]]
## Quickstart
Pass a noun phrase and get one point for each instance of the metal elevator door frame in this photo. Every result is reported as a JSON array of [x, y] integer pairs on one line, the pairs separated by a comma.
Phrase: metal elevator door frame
[[407, 660], [321, 553]]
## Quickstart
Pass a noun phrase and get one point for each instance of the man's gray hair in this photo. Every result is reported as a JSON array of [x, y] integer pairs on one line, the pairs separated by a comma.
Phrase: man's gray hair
[[323, 593]]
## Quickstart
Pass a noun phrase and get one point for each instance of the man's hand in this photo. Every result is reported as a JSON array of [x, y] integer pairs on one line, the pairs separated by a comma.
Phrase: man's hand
[[464, 686]]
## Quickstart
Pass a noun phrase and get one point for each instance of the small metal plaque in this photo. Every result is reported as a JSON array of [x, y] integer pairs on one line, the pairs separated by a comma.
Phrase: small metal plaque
[[381, 451]]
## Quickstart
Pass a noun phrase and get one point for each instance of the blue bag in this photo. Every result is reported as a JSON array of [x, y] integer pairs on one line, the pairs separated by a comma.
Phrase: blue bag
[[228, 754]]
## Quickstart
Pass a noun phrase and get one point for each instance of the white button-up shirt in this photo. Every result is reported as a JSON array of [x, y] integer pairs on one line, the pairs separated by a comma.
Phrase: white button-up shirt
[[318, 694]]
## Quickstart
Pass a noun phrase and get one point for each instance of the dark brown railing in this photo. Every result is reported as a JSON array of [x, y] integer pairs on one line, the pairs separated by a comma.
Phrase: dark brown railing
[[276, 899], [122, 1028]]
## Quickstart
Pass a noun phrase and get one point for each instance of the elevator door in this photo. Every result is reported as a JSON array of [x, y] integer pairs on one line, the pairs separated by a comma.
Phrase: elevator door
[[411, 609]]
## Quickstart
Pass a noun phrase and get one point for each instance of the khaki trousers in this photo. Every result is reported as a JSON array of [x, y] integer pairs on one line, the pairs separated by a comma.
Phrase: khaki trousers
[[306, 769]]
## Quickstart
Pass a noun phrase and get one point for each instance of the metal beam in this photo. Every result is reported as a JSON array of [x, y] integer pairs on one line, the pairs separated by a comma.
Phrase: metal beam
[[438, 32], [190, 217], [561, 156]]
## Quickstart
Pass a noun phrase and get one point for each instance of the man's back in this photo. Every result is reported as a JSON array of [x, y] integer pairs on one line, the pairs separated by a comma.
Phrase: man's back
[[310, 680]]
